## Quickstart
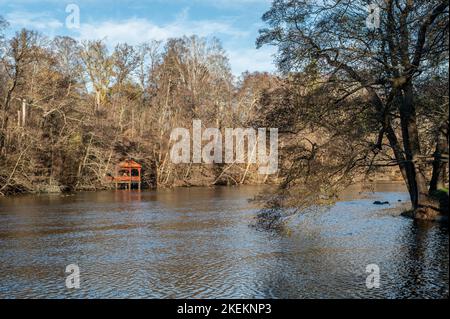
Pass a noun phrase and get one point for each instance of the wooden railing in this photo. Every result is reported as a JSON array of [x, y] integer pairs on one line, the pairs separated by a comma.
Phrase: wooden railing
[[126, 179]]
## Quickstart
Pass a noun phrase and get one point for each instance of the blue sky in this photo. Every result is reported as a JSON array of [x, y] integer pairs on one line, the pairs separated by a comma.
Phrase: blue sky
[[234, 22]]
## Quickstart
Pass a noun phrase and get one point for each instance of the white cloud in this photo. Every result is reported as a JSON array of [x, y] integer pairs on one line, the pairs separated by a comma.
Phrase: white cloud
[[223, 3], [252, 60], [39, 21], [238, 42], [137, 30]]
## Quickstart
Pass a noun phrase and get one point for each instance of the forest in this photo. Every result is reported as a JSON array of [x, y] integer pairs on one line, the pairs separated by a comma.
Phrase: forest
[[350, 102], [71, 111]]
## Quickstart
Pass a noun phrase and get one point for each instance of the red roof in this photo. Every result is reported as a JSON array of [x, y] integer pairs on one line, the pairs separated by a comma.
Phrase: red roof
[[130, 164]]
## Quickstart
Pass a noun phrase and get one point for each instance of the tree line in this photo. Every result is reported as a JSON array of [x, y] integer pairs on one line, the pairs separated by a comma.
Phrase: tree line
[[70, 110]]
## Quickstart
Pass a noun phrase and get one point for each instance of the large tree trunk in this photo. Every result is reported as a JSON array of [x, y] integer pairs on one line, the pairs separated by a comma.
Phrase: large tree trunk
[[6, 107], [424, 206], [438, 178], [411, 144], [4, 127]]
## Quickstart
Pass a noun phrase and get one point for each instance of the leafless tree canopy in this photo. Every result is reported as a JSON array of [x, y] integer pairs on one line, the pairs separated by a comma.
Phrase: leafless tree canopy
[[377, 95], [71, 111]]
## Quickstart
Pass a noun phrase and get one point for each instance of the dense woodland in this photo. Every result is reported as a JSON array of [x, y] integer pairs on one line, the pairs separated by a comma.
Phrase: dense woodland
[[71, 111], [349, 101]]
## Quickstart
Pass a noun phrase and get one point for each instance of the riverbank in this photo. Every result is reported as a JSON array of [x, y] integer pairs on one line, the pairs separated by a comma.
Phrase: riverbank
[[397, 207]]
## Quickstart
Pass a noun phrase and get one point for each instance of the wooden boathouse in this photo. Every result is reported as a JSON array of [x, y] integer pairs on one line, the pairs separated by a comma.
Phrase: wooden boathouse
[[129, 174]]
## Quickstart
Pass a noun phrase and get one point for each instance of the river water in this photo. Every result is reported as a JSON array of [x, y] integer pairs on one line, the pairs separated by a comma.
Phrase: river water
[[197, 243]]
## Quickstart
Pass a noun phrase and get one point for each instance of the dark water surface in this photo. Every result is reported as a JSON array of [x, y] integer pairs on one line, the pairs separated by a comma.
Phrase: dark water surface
[[197, 243]]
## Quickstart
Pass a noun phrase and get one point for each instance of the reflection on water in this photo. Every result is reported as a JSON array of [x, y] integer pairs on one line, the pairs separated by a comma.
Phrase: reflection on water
[[196, 243]]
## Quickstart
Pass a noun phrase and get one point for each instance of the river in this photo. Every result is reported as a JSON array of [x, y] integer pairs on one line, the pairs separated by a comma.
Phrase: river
[[197, 243]]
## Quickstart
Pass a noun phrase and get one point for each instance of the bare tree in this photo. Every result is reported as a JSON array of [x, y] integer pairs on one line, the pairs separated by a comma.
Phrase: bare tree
[[99, 68], [20, 53], [384, 64]]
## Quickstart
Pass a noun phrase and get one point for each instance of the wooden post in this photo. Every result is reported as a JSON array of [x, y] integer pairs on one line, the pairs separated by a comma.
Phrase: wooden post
[[24, 112], [129, 178], [115, 178], [139, 185]]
